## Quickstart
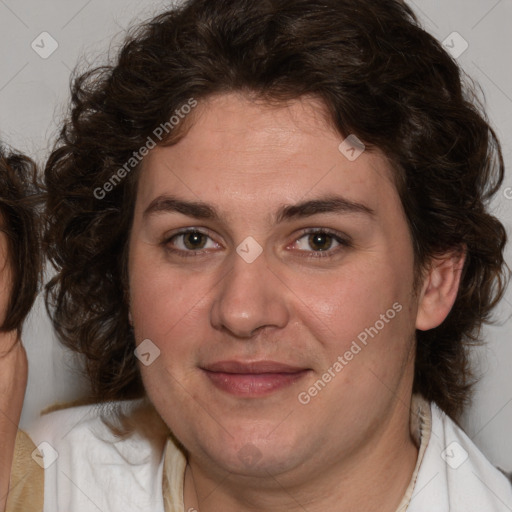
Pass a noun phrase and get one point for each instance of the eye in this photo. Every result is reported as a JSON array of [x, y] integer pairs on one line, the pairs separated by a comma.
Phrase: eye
[[191, 240], [321, 241]]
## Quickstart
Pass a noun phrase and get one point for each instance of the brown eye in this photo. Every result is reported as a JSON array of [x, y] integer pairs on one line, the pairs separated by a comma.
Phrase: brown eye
[[190, 242], [320, 241], [194, 240]]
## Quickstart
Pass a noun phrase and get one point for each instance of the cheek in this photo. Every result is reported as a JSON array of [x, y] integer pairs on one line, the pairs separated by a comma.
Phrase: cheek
[[340, 308], [165, 309], [364, 325], [156, 297], [364, 317], [167, 306]]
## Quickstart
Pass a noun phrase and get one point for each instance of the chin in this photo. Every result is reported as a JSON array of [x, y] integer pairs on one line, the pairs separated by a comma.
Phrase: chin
[[253, 453]]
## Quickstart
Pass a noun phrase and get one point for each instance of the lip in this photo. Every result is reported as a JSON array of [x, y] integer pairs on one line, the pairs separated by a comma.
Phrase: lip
[[252, 367], [252, 379]]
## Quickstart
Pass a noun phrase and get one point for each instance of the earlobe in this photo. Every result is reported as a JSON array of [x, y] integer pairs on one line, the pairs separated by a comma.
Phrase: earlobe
[[439, 289]]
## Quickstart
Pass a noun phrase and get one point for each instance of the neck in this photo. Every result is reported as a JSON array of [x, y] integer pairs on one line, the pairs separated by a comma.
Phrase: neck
[[374, 479]]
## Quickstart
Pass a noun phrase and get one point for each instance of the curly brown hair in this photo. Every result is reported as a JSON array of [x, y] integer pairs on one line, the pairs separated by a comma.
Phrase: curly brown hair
[[381, 77], [19, 199]]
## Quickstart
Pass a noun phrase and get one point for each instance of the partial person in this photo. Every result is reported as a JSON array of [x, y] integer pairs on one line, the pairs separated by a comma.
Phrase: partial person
[[19, 282]]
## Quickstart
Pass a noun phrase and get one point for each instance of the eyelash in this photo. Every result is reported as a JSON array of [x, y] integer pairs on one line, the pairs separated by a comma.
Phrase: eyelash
[[344, 242]]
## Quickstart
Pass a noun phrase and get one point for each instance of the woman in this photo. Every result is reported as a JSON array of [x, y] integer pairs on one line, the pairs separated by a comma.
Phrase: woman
[[19, 280], [270, 229]]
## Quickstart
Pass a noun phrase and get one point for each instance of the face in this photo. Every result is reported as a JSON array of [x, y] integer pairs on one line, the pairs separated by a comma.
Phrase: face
[[275, 277]]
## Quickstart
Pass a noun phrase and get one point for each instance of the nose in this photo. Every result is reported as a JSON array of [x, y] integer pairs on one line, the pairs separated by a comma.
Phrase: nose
[[249, 298]]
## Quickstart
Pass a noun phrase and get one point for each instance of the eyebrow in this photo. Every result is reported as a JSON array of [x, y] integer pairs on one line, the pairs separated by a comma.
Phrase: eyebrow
[[204, 211]]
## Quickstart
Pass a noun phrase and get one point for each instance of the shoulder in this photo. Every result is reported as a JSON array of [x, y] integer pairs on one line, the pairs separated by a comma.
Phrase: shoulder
[[455, 475], [27, 478], [88, 458]]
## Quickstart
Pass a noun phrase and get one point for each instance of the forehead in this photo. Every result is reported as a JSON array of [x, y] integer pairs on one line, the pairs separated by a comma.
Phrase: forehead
[[243, 153]]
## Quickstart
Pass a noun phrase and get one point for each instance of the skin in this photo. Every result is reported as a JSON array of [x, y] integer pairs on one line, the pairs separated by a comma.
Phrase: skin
[[13, 378], [350, 447], [5, 274]]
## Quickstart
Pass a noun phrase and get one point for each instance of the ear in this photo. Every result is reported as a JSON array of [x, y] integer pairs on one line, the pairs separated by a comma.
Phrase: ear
[[440, 285]]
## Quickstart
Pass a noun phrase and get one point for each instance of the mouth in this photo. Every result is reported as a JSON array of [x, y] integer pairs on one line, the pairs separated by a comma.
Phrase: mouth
[[253, 379]]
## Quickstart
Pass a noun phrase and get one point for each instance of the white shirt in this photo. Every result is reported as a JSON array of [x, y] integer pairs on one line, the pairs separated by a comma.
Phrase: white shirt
[[88, 468]]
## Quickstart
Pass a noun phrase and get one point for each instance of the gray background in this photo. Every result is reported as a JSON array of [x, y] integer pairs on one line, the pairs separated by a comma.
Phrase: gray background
[[33, 99]]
